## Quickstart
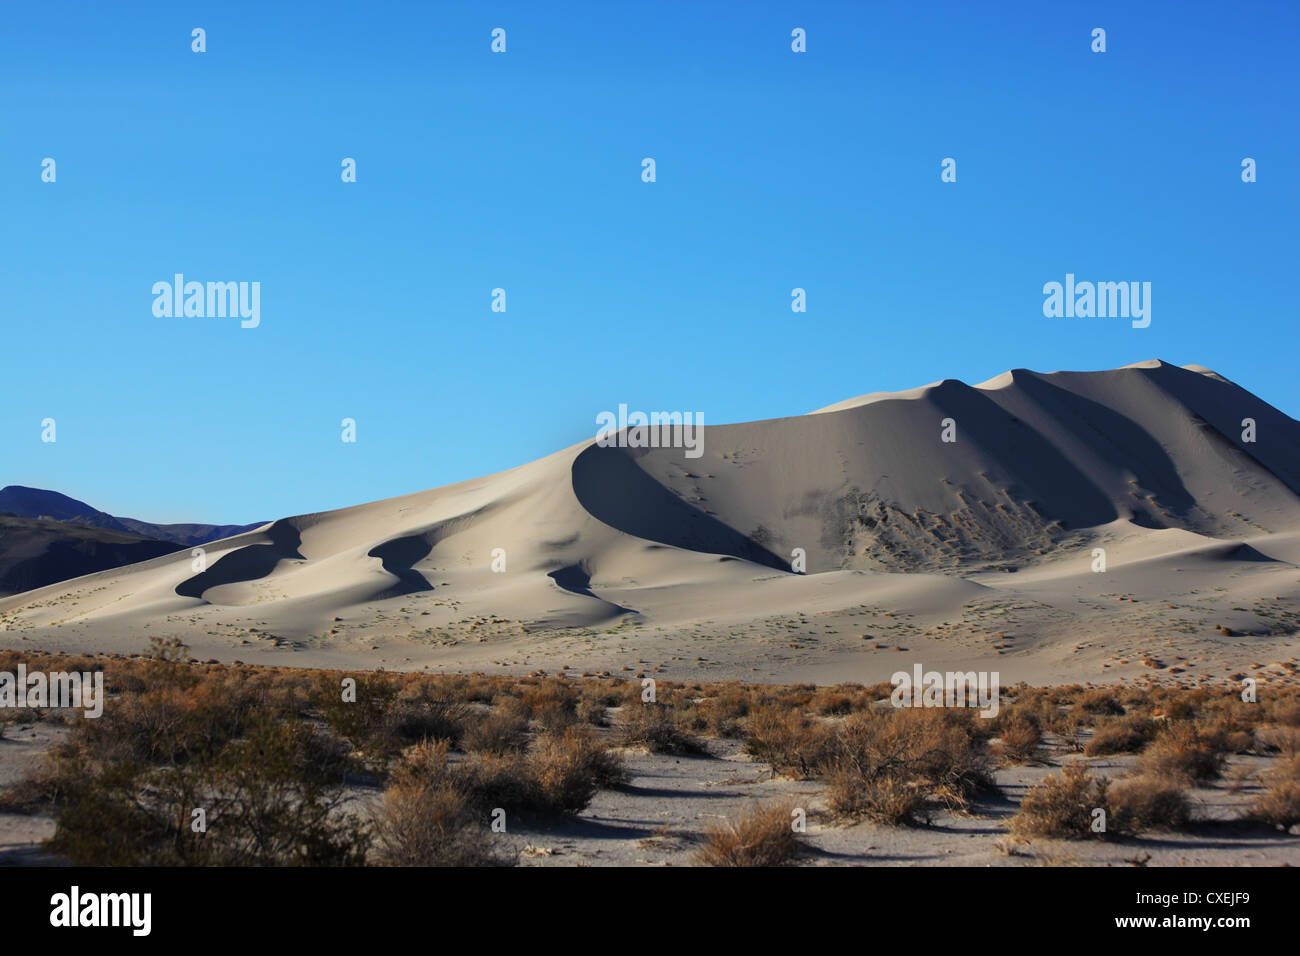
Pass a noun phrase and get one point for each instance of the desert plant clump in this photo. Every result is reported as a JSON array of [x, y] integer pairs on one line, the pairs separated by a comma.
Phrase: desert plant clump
[[1101, 702], [425, 818], [571, 766], [495, 732], [652, 726], [787, 740], [884, 799], [890, 765], [1182, 752], [1122, 735], [1062, 805], [560, 775], [1142, 803], [1279, 805], [271, 798], [1020, 736], [761, 836]]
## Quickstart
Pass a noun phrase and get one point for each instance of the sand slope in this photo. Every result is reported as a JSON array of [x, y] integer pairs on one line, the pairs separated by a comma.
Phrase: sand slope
[[965, 552]]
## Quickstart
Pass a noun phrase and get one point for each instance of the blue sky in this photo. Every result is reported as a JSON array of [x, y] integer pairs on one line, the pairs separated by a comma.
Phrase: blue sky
[[522, 170]]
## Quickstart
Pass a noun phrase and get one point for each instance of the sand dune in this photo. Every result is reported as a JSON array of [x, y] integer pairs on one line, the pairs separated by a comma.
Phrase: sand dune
[[966, 551]]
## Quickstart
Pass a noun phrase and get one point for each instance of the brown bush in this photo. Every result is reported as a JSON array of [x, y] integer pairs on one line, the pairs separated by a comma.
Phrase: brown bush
[[571, 766], [495, 733], [787, 740], [553, 705], [1020, 737], [1102, 701], [763, 836], [426, 820], [723, 714], [1121, 736], [593, 712], [1142, 803], [1279, 805], [888, 800], [652, 726], [887, 764], [1062, 805], [1180, 751], [941, 748]]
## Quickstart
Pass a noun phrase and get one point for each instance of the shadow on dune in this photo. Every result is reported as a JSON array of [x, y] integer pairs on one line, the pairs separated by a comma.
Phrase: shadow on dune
[[1222, 405], [1113, 437], [398, 557], [1036, 467], [608, 483], [248, 563], [577, 580]]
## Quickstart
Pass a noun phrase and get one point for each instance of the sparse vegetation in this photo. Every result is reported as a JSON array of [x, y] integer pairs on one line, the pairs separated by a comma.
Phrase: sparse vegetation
[[296, 767]]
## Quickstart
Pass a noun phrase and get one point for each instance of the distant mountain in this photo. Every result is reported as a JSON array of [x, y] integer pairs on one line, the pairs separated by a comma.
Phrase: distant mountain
[[40, 503], [35, 552]]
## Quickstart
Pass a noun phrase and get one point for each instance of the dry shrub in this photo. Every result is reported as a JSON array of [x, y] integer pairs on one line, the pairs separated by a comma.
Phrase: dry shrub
[[1279, 805], [553, 705], [886, 800], [1280, 738], [1229, 725], [593, 712], [561, 775], [571, 766], [1124, 735], [1062, 805], [1141, 803], [1181, 752], [787, 740], [839, 700], [386, 715], [47, 786], [886, 764], [724, 713], [506, 781], [1101, 702], [1020, 736], [363, 720], [1177, 703], [762, 836], [495, 733], [426, 820], [271, 798], [421, 713], [1067, 725], [653, 726], [1284, 711]]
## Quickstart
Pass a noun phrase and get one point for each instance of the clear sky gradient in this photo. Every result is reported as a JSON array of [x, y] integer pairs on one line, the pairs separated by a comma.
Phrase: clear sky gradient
[[522, 170]]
